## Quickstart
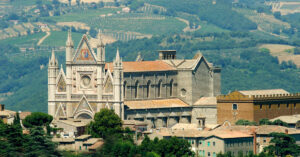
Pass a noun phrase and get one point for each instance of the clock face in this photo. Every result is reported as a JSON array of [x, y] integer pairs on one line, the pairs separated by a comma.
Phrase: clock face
[[85, 81]]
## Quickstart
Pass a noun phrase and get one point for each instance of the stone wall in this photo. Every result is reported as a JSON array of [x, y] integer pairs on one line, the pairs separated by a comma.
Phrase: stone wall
[[151, 80], [209, 112], [161, 117], [202, 82], [225, 111]]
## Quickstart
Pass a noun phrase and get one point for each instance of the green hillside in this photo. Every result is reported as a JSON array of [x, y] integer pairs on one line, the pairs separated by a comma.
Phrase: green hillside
[[228, 34]]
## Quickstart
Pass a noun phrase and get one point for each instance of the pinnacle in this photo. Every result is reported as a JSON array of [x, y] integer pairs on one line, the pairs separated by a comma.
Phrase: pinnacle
[[69, 39]]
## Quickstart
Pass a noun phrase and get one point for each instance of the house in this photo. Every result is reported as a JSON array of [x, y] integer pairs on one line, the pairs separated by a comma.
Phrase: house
[[293, 121], [7, 116]]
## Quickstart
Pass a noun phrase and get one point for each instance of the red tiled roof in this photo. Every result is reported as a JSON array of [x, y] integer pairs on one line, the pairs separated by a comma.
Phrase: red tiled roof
[[23, 115], [143, 66], [158, 103]]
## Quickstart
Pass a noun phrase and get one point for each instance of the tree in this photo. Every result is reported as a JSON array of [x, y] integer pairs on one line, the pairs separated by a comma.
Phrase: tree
[[174, 146], [93, 32], [279, 122], [17, 119], [37, 119], [244, 122], [282, 144], [39, 144], [277, 15], [165, 147], [265, 121], [105, 123]]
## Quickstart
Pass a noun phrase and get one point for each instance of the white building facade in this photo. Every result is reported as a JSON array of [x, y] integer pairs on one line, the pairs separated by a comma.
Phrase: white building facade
[[85, 87]]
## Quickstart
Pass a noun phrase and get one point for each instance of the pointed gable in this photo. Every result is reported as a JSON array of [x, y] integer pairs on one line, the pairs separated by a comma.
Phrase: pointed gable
[[84, 52], [108, 86], [83, 106], [61, 81], [60, 112]]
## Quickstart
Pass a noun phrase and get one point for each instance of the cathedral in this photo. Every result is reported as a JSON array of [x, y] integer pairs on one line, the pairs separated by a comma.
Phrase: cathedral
[[161, 93]]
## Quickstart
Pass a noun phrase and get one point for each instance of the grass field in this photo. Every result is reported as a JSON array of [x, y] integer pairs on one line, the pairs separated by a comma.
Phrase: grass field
[[23, 40], [283, 52], [58, 38], [140, 25], [25, 3], [206, 27], [266, 22], [82, 15]]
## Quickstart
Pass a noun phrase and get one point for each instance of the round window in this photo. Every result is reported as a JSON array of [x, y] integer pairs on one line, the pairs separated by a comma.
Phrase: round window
[[85, 81]]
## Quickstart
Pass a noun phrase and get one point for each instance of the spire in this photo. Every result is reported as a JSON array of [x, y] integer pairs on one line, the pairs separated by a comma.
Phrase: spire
[[69, 39], [52, 60], [118, 60], [99, 37], [118, 55]]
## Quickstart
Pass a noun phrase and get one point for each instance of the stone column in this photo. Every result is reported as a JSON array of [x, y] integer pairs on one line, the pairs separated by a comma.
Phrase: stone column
[[159, 122], [172, 121]]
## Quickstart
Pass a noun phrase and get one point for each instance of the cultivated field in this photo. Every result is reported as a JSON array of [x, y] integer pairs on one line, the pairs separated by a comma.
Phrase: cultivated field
[[283, 52]]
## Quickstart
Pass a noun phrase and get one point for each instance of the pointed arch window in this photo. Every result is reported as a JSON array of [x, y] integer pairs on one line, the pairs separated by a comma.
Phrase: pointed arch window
[[124, 89], [171, 87], [136, 89], [159, 86], [148, 89]]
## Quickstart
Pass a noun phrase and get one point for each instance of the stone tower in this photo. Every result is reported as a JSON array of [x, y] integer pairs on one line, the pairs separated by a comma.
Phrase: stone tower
[[52, 74], [118, 85]]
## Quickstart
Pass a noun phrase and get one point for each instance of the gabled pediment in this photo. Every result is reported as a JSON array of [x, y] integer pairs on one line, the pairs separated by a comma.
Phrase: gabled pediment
[[60, 112], [108, 83], [83, 106], [61, 83], [84, 52]]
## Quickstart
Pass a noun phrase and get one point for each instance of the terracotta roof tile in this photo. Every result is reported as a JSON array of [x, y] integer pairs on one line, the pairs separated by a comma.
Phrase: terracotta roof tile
[[158, 103], [23, 115], [264, 92], [206, 101], [96, 145], [143, 66]]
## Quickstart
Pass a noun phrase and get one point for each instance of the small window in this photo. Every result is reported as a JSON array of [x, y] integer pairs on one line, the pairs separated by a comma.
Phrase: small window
[[208, 144], [270, 106], [260, 106], [208, 153], [234, 106], [278, 105], [200, 142], [295, 105], [214, 143], [192, 141], [287, 105]]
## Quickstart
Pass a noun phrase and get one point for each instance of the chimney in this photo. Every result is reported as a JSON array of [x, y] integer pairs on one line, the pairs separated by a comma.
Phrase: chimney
[[254, 141], [2, 107], [286, 131], [167, 54]]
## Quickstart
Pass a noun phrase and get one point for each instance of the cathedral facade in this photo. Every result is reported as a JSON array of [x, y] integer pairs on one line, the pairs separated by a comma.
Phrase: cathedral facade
[[85, 88], [161, 92]]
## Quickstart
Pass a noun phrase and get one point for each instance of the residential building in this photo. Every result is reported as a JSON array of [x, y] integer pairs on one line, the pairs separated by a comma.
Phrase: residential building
[[293, 121], [7, 116]]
